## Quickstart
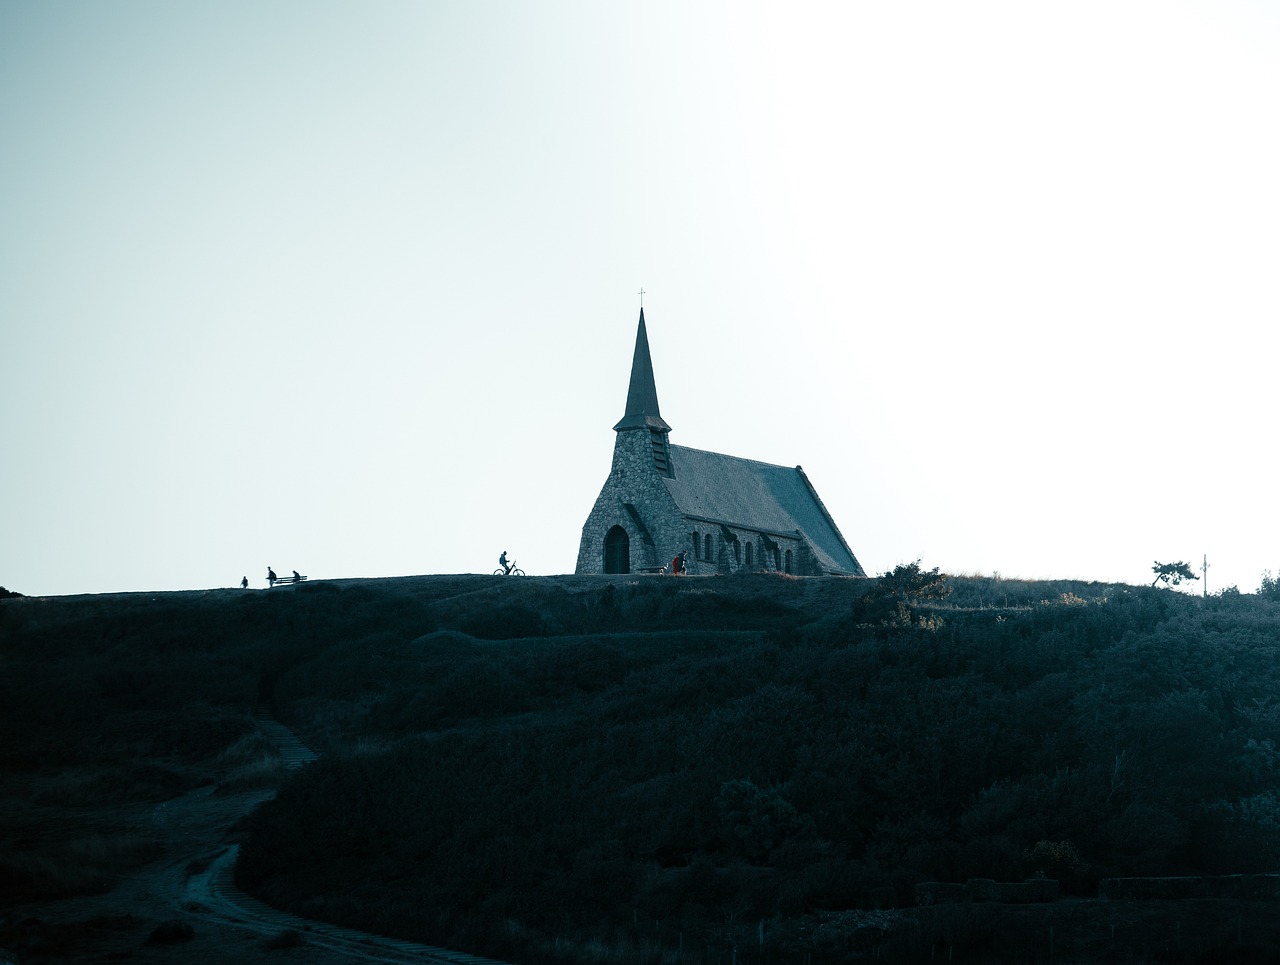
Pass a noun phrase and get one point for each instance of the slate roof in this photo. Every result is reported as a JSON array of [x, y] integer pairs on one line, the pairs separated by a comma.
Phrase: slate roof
[[642, 393], [757, 495]]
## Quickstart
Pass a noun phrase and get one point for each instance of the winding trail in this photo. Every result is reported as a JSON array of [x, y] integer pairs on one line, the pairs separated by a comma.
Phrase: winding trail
[[213, 895], [216, 897]]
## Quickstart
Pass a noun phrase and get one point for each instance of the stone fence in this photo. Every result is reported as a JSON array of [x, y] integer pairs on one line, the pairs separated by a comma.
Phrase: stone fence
[[1260, 887], [1233, 887], [985, 889]]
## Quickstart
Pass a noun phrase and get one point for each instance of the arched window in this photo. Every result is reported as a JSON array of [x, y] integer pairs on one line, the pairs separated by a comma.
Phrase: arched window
[[617, 551], [706, 547], [748, 552], [697, 544], [788, 561], [777, 557]]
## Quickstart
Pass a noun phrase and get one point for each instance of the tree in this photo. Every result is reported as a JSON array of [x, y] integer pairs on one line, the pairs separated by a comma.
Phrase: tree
[[1270, 585], [1171, 574]]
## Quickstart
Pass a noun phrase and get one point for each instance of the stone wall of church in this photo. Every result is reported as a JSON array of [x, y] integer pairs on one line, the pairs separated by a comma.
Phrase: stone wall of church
[[730, 556], [633, 479], [663, 530]]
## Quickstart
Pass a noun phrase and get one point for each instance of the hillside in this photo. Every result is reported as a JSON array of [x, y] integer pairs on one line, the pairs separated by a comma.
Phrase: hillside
[[573, 768]]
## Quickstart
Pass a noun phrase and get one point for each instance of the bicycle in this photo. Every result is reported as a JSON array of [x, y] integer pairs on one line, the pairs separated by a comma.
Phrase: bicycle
[[514, 571]]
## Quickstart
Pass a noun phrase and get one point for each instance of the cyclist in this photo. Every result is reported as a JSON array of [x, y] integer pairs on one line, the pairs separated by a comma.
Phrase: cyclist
[[506, 567]]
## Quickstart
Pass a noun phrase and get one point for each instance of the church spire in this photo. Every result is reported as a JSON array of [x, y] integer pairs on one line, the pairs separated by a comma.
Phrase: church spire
[[642, 394]]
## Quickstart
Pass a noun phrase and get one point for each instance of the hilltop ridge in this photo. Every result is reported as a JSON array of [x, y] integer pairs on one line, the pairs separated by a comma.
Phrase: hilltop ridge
[[528, 768]]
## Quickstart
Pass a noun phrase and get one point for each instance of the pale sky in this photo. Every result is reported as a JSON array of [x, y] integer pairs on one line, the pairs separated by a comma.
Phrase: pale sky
[[351, 288]]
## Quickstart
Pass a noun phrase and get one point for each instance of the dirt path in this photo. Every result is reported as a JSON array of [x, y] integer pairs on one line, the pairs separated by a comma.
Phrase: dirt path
[[219, 900], [190, 892]]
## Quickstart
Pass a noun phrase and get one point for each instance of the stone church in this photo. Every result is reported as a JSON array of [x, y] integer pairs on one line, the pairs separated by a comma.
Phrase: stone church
[[729, 514]]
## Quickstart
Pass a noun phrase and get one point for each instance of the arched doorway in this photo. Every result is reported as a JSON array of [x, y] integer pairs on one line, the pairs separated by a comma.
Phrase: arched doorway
[[617, 551]]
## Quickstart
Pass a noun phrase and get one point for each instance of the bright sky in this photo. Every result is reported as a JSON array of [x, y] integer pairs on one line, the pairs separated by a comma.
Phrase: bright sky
[[352, 288]]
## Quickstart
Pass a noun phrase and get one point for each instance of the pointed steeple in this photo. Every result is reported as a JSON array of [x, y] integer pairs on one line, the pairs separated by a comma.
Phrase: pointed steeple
[[642, 395]]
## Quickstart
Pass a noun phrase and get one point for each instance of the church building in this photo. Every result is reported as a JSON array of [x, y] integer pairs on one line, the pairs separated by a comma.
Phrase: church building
[[728, 514]]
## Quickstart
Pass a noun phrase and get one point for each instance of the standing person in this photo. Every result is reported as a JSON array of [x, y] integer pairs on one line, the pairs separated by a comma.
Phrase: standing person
[[271, 577], [244, 582]]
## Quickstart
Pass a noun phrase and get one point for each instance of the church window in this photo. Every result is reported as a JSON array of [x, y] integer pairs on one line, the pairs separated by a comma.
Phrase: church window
[[617, 551], [788, 561], [697, 544], [706, 547], [661, 452], [737, 548], [777, 557], [748, 552]]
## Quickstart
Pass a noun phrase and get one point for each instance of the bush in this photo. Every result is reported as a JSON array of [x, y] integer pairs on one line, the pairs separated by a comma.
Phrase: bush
[[1059, 860], [895, 601]]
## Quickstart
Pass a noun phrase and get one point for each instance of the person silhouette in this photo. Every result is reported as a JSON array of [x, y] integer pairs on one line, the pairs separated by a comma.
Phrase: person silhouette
[[271, 577], [506, 567], [244, 582], [296, 577]]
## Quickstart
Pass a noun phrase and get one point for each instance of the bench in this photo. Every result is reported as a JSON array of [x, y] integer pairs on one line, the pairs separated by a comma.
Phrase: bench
[[288, 580]]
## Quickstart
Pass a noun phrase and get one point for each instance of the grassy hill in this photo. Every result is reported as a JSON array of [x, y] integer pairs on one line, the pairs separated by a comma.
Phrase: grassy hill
[[579, 768]]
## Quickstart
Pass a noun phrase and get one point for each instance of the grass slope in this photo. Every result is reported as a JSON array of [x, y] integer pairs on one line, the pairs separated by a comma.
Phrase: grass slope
[[567, 769]]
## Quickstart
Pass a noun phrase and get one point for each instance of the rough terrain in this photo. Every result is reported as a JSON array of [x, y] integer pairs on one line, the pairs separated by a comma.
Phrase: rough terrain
[[184, 907]]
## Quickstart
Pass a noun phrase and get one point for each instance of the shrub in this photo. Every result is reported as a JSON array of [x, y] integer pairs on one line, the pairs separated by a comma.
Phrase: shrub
[[895, 600], [1059, 860], [173, 932], [289, 938], [85, 865], [756, 821]]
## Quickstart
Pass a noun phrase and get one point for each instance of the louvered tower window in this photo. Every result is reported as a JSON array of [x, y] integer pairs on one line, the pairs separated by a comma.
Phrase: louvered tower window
[[661, 451]]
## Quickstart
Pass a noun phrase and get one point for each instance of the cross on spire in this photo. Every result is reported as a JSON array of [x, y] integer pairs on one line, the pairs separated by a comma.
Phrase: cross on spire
[[642, 296]]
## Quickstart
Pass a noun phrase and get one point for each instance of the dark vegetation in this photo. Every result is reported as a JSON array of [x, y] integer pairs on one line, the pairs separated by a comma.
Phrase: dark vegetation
[[573, 769]]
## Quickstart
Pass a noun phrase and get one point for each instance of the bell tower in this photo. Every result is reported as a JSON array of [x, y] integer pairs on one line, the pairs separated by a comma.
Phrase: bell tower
[[642, 428]]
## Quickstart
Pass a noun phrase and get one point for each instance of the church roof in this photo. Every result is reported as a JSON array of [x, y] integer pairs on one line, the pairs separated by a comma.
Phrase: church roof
[[642, 394], [757, 495]]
